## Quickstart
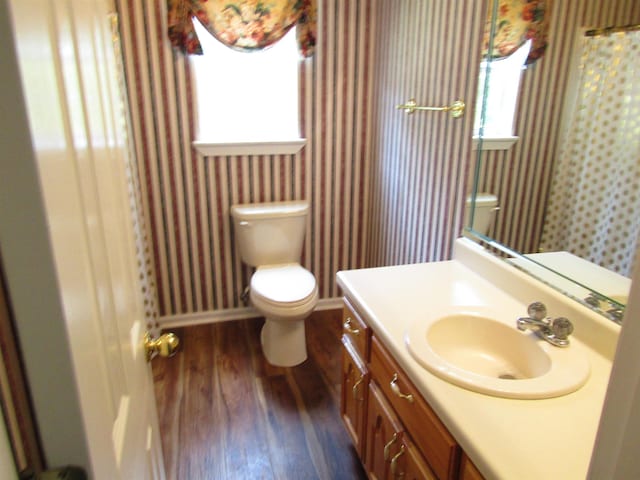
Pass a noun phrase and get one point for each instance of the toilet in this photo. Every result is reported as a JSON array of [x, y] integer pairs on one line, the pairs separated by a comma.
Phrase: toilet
[[485, 208], [269, 237]]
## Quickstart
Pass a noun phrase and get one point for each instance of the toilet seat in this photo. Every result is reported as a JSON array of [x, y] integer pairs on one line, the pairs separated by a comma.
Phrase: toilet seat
[[288, 286]]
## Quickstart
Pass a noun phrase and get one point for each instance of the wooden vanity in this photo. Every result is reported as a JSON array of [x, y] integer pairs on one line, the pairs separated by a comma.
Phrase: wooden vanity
[[405, 420], [393, 428]]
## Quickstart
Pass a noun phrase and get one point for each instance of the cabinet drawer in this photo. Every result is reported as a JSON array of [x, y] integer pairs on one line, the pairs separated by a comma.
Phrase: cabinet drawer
[[427, 431], [354, 328]]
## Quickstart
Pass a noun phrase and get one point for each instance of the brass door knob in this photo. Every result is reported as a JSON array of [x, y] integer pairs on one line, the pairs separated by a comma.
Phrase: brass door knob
[[166, 345]]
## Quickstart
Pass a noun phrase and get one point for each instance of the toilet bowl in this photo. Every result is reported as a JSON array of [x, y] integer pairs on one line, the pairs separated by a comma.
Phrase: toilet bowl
[[285, 295], [269, 236]]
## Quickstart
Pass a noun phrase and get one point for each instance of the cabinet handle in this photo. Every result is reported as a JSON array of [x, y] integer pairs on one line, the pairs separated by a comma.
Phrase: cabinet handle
[[394, 463], [349, 329], [354, 389], [389, 444], [396, 389]]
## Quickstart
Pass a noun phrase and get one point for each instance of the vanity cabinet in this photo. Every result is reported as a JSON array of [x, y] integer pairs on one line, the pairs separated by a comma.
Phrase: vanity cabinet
[[394, 430]]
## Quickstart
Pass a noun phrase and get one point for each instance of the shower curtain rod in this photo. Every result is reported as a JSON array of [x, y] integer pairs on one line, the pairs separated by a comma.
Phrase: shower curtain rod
[[610, 30]]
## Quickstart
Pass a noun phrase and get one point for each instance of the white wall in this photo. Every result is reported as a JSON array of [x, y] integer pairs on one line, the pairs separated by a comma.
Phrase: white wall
[[616, 450]]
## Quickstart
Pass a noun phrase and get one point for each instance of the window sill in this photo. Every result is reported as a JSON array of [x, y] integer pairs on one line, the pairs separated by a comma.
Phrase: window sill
[[494, 143], [214, 149]]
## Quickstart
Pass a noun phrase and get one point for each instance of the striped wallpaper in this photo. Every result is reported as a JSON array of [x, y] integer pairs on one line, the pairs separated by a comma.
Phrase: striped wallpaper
[[521, 176], [385, 188], [420, 163]]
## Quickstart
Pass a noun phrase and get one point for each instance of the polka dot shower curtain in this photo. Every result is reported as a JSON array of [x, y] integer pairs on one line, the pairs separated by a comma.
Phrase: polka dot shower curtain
[[594, 205]]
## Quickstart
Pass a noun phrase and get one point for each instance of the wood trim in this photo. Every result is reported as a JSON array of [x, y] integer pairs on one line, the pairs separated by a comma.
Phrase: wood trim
[[15, 401]]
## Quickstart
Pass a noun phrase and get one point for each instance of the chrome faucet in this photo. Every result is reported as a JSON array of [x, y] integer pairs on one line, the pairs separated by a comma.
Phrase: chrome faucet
[[615, 313], [555, 331]]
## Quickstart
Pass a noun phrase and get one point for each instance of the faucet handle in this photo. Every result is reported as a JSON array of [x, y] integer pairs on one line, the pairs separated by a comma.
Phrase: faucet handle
[[561, 328], [537, 311]]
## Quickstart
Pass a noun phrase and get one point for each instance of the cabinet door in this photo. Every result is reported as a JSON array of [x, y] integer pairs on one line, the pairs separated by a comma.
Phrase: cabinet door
[[468, 471], [353, 404], [383, 436], [423, 425], [409, 464]]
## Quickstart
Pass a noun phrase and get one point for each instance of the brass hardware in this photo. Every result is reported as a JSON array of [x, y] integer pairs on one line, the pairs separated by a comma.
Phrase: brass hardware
[[166, 345], [354, 389], [609, 30], [389, 444], [349, 329], [394, 463], [456, 108], [396, 389], [244, 296]]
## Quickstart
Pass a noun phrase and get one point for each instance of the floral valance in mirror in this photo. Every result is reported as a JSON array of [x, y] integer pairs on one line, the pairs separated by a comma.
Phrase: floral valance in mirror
[[518, 21], [242, 25]]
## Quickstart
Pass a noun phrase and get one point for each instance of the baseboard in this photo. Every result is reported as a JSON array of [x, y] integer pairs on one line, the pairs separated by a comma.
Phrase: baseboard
[[216, 316]]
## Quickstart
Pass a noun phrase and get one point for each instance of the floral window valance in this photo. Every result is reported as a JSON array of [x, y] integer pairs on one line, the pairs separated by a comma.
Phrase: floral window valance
[[518, 21], [242, 25]]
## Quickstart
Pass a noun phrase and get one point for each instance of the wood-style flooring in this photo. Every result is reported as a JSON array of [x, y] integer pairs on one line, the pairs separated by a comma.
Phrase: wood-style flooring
[[225, 413]]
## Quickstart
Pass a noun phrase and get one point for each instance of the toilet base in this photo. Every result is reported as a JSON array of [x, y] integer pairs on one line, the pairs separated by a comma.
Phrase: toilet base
[[283, 342]]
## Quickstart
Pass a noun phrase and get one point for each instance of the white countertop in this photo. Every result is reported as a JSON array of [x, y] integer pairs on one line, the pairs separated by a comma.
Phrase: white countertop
[[606, 282], [507, 439]]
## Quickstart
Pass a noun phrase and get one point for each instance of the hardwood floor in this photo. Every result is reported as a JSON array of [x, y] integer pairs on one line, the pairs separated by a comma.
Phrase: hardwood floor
[[225, 413]]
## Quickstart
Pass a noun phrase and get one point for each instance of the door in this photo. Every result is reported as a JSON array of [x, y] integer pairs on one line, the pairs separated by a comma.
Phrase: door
[[70, 80]]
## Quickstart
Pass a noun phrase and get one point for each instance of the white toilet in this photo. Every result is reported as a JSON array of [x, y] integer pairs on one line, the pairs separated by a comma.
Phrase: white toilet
[[269, 236], [485, 209]]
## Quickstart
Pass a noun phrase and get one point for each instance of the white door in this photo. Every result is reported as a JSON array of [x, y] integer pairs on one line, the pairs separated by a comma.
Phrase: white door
[[69, 75]]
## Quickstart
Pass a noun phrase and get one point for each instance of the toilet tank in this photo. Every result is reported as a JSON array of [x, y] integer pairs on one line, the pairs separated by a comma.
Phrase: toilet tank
[[486, 206], [270, 233]]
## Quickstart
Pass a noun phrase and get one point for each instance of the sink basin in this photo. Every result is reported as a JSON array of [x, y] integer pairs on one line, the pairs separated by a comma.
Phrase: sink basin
[[477, 350]]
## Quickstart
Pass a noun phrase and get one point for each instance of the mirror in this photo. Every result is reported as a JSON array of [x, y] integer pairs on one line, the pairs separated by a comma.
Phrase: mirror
[[522, 177]]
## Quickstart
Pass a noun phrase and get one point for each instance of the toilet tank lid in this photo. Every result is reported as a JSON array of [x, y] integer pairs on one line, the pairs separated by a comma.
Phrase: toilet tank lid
[[488, 199], [292, 208]]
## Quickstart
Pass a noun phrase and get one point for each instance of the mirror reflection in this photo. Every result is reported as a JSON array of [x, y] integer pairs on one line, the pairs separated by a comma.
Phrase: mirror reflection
[[567, 189]]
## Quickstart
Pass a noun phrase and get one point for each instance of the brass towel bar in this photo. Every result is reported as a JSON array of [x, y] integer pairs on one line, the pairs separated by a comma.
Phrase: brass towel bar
[[456, 108], [609, 30]]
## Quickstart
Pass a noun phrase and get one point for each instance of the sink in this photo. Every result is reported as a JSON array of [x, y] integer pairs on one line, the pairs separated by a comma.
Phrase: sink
[[480, 350]]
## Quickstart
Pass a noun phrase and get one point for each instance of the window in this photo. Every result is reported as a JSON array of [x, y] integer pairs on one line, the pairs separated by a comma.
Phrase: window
[[247, 101], [502, 97]]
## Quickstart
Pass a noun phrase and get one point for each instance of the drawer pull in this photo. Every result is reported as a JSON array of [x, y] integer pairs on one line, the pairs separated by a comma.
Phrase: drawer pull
[[349, 329], [396, 389], [394, 463], [354, 389], [388, 446]]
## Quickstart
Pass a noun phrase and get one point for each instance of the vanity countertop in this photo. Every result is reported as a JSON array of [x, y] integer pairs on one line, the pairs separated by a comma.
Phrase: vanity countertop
[[505, 438]]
